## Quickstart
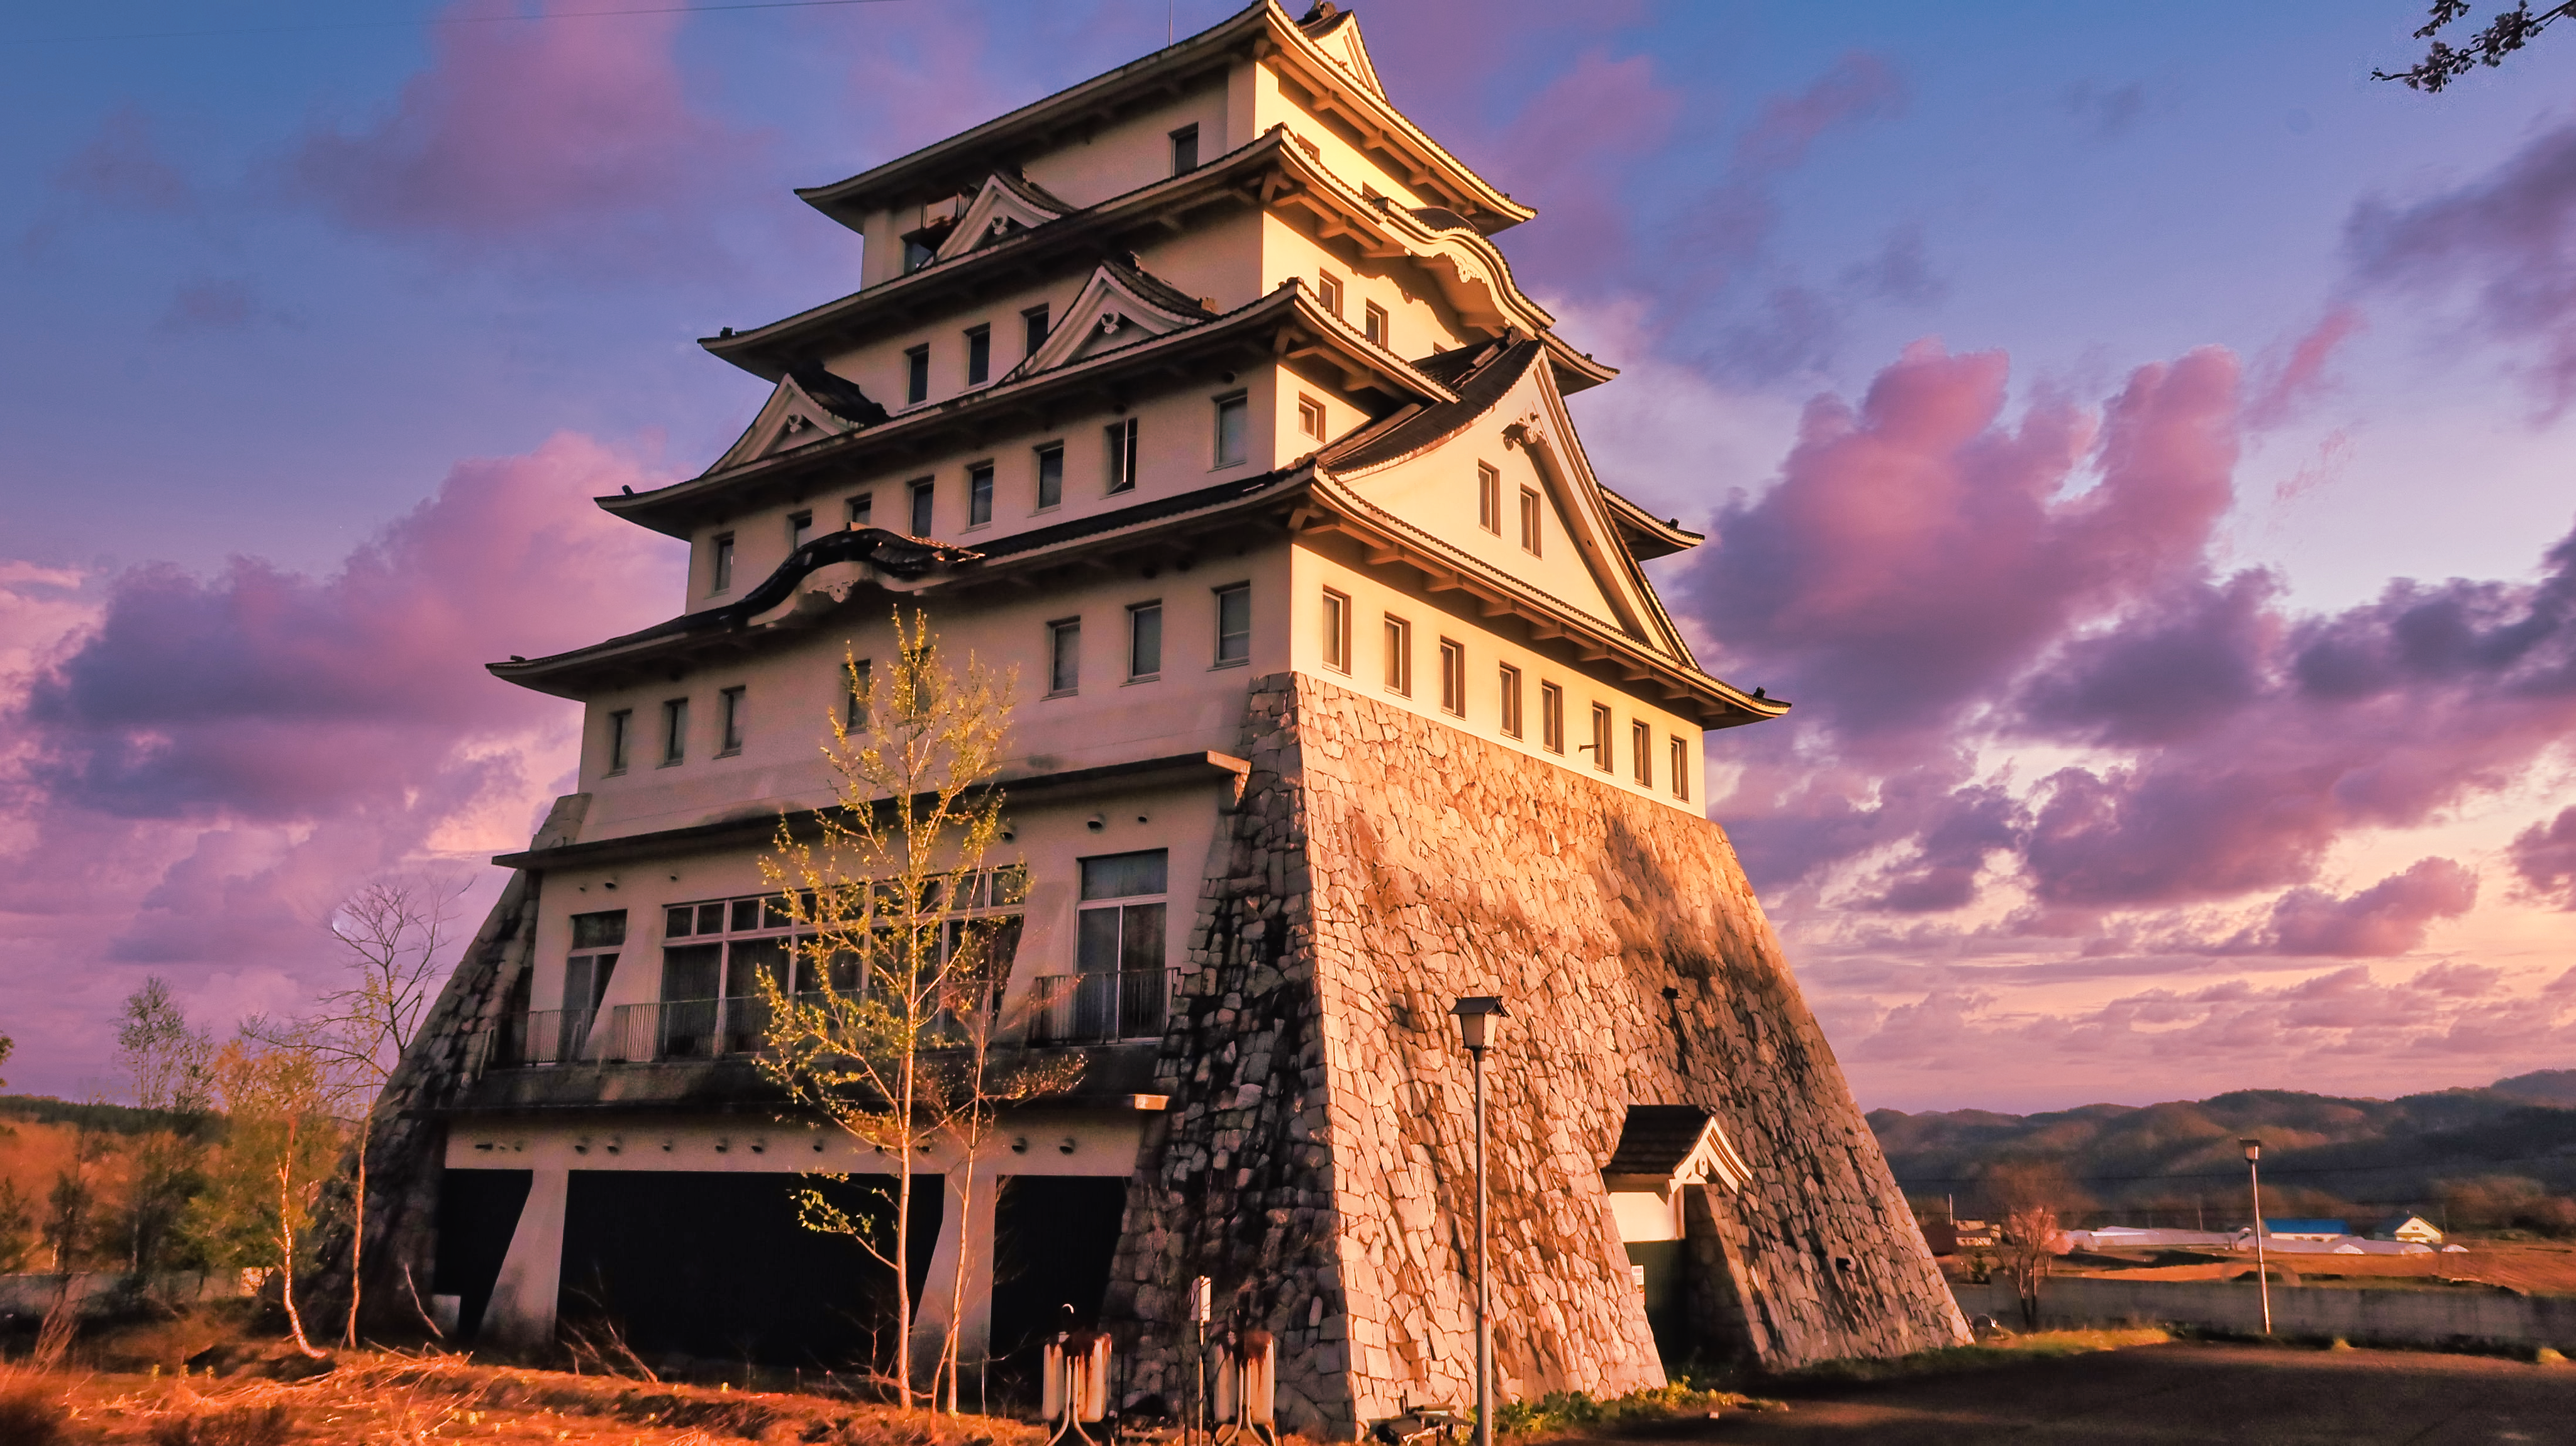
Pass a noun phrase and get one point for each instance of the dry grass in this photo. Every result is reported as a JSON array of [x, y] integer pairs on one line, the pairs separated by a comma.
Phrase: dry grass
[[401, 1399], [31, 1409], [2002, 1351], [2535, 1267]]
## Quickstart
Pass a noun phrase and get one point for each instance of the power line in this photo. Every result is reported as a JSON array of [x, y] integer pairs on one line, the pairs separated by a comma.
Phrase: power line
[[445, 20]]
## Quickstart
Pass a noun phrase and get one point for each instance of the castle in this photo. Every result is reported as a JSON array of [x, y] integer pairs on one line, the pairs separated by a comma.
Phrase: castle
[[1201, 395]]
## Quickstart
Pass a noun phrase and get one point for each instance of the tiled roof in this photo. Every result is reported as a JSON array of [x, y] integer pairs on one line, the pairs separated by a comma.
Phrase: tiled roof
[[1656, 1139], [838, 393], [1484, 375]]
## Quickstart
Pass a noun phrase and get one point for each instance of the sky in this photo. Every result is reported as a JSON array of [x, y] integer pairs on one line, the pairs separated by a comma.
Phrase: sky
[[2131, 436]]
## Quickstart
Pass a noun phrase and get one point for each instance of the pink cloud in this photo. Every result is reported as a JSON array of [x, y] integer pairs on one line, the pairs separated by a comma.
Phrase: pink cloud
[[2544, 855], [518, 131], [202, 765], [1573, 144], [2387, 918], [2301, 375], [1858, 87]]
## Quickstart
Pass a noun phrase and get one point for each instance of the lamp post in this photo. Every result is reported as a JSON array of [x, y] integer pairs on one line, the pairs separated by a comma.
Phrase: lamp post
[[1476, 1013], [2254, 1177]]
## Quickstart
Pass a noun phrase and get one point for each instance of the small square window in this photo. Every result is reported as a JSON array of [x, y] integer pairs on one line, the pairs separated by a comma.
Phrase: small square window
[[1064, 657], [979, 494], [1373, 323], [1641, 742], [1144, 641], [1680, 770], [1489, 498], [732, 712], [1337, 631], [1033, 330], [1234, 624], [863, 511], [1453, 677], [1529, 521], [621, 728], [1600, 744], [1121, 448], [720, 574], [1399, 656], [1185, 150], [858, 684], [924, 494], [1233, 425], [1328, 292], [916, 375], [917, 254], [1511, 701], [979, 355], [1050, 475], [800, 529], [1551, 717], [1310, 417], [675, 730]]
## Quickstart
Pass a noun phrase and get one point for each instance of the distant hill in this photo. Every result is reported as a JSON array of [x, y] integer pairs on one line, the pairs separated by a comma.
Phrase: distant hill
[[2322, 1154]]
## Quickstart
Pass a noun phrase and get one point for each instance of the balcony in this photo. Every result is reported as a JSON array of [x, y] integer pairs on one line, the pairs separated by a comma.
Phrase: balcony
[[1062, 1010]]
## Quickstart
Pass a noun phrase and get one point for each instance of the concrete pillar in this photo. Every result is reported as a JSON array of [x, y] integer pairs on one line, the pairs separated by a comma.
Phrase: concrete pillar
[[522, 1312], [965, 1246]]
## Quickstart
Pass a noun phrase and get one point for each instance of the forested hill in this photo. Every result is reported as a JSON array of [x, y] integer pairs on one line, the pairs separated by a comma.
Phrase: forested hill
[[2477, 1150]]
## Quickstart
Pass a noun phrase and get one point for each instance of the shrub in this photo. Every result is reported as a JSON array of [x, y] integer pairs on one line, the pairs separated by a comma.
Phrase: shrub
[[29, 1414]]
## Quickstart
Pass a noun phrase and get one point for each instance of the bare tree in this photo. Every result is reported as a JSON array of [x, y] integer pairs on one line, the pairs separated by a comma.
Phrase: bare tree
[[2510, 31], [885, 1030], [169, 1062], [2028, 1194]]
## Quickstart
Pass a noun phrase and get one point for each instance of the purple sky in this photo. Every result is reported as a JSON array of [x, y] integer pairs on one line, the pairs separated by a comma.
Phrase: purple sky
[[2130, 435]]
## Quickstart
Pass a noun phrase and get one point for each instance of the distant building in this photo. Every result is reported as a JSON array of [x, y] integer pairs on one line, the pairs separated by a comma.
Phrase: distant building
[[1974, 1234], [2413, 1228], [2307, 1229]]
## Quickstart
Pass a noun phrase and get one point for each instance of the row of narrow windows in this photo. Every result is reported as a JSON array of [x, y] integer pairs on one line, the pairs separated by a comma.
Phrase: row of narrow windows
[[1043, 484], [1143, 640], [1338, 619]]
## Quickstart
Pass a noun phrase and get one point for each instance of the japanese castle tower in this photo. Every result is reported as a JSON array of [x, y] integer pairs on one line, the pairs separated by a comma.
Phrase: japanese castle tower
[[1201, 394]]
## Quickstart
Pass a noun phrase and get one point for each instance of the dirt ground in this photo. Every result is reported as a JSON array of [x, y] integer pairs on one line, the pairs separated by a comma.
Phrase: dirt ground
[[2535, 1267], [2185, 1392]]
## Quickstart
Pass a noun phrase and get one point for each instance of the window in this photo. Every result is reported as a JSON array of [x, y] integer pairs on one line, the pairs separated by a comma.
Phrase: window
[[586, 972], [979, 494], [1680, 769], [1121, 439], [1233, 425], [1641, 740], [1050, 475], [1551, 717], [917, 254], [1144, 642], [675, 730], [916, 374], [1185, 149], [720, 576], [1033, 330], [1489, 499], [858, 679], [1600, 744], [1529, 521], [1337, 631], [1234, 624], [1310, 417], [924, 493], [621, 729], [1328, 292], [1064, 657], [1453, 677], [731, 699], [1121, 928], [863, 511], [1373, 323], [1399, 655], [1511, 700], [979, 355], [800, 529]]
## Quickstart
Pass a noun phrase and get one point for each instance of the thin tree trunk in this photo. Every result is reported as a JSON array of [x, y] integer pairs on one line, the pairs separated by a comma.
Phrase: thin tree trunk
[[358, 1235], [286, 1233]]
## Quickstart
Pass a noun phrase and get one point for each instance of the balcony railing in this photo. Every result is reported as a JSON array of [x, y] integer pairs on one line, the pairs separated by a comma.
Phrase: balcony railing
[[1099, 1008], [1062, 1009]]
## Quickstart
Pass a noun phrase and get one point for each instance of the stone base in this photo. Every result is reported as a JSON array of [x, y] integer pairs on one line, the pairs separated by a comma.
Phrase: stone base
[[1317, 1162]]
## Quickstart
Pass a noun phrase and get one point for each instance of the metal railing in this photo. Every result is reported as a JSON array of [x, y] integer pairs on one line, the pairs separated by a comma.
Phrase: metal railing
[[1099, 1008], [542, 1037]]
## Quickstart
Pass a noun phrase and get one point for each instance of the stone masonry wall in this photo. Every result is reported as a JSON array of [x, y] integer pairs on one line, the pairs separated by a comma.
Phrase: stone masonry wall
[[407, 1146], [1317, 1157]]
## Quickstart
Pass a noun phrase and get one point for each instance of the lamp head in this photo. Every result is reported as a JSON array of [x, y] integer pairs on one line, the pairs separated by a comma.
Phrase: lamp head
[[2253, 1149], [1475, 1015]]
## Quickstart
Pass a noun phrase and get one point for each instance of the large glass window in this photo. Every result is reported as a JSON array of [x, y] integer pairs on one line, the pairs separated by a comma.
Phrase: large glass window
[[1123, 902]]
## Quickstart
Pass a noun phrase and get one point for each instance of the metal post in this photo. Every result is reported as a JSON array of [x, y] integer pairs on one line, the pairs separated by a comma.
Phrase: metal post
[[2262, 1274], [1484, 1322]]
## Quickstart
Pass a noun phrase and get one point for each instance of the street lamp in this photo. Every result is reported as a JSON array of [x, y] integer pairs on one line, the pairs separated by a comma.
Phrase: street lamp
[[2254, 1177], [1476, 1013]]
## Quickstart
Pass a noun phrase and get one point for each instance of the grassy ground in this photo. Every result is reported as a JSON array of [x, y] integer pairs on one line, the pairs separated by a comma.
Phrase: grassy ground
[[1949, 1360]]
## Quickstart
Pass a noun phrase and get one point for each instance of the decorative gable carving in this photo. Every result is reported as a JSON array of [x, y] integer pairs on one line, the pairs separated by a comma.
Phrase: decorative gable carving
[[1336, 32], [808, 405], [1119, 307], [1005, 204]]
